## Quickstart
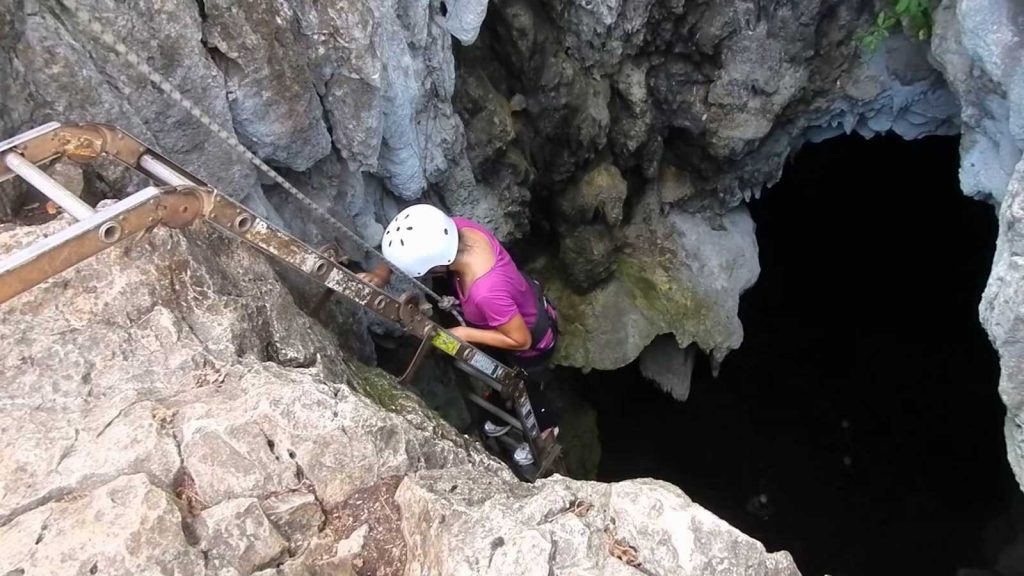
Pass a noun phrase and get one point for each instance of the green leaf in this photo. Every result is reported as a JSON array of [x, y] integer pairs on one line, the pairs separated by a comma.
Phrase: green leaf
[[881, 18], [902, 6]]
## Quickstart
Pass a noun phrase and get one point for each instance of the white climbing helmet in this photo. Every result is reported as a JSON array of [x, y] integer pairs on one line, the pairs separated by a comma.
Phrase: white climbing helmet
[[419, 238]]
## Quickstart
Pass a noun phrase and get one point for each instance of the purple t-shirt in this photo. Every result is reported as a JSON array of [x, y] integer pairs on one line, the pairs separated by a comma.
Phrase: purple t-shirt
[[500, 293]]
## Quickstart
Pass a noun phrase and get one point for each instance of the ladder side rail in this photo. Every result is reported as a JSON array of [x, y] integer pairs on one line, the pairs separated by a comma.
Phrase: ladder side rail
[[104, 229]]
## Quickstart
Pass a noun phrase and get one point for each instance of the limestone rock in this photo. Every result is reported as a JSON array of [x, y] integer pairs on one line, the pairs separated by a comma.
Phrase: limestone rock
[[464, 18], [977, 44], [55, 71], [974, 43], [487, 116], [236, 537], [271, 92], [679, 273], [601, 33], [727, 88], [588, 253], [125, 527], [502, 203], [182, 357], [600, 194], [669, 366], [673, 185], [296, 516], [291, 79], [461, 522], [1002, 314]]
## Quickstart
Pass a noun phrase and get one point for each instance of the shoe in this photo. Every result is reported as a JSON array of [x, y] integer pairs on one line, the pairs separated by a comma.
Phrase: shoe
[[491, 429], [523, 456]]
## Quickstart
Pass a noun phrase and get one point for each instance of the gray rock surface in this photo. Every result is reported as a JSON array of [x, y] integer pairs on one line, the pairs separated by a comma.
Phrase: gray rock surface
[[127, 526], [722, 90], [292, 79], [181, 358], [297, 516], [167, 407], [1002, 314], [56, 72], [677, 273], [270, 89], [237, 538], [669, 366], [462, 522], [977, 47]]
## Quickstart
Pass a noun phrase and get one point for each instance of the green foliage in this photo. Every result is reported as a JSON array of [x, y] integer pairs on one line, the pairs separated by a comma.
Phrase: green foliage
[[915, 16]]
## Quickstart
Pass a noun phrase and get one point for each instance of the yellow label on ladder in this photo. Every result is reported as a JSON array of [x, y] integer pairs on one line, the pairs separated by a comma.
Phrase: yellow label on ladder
[[445, 342]]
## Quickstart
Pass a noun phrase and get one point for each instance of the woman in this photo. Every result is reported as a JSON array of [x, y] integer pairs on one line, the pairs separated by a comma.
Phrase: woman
[[503, 309]]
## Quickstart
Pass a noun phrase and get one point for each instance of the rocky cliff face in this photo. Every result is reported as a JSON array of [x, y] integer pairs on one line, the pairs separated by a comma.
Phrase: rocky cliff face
[[168, 408], [586, 122], [979, 47], [627, 133], [634, 115]]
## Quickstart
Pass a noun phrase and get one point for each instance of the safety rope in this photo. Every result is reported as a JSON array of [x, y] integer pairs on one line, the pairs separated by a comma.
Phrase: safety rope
[[88, 23]]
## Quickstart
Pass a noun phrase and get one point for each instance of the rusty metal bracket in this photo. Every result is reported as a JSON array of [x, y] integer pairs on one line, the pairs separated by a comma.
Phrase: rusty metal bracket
[[136, 214], [421, 354], [88, 142]]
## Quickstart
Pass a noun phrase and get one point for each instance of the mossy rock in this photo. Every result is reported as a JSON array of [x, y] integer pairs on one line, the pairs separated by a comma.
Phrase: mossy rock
[[382, 389], [680, 276]]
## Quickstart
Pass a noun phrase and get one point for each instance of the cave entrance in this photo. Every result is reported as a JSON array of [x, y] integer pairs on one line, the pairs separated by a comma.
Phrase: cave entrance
[[863, 403]]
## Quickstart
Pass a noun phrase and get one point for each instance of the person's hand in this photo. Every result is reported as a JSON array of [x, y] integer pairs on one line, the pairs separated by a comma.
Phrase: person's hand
[[371, 278]]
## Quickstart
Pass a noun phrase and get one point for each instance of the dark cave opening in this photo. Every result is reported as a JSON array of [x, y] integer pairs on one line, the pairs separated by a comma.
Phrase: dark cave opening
[[863, 403]]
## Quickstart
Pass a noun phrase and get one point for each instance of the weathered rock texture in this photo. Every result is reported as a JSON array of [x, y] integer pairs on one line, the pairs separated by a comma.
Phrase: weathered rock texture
[[696, 103], [182, 359], [168, 408], [670, 367], [677, 273], [299, 82], [567, 115], [464, 522], [978, 46]]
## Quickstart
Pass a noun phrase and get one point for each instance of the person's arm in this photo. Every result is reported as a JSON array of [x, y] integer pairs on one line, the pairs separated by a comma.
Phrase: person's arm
[[512, 335], [379, 276]]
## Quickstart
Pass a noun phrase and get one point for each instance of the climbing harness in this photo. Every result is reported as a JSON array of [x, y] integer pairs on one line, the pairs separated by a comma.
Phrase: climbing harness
[[181, 199]]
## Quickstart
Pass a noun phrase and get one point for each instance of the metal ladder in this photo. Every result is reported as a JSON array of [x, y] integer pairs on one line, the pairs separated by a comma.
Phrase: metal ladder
[[179, 200]]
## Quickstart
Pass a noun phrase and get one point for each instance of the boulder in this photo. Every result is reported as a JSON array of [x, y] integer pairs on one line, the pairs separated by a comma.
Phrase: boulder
[[587, 252]]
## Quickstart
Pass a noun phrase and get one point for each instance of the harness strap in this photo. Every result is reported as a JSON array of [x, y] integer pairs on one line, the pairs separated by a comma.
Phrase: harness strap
[[544, 321]]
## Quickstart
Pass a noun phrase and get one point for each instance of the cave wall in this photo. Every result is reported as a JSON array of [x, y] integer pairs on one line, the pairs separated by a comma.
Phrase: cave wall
[[978, 46], [632, 115]]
